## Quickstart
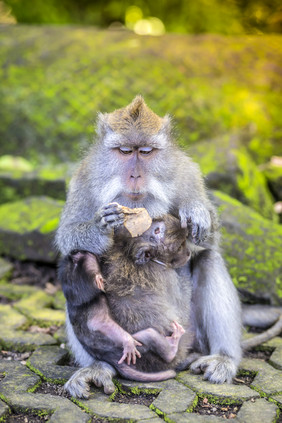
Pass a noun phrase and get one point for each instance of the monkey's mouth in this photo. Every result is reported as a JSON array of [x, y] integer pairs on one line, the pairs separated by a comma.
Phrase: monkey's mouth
[[135, 196]]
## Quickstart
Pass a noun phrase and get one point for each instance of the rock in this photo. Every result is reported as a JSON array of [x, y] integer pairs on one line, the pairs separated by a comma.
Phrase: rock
[[27, 228], [252, 248], [18, 180], [5, 268], [228, 167], [273, 174]]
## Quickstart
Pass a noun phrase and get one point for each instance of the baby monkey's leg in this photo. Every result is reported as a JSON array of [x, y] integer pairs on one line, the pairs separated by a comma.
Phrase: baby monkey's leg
[[165, 346]]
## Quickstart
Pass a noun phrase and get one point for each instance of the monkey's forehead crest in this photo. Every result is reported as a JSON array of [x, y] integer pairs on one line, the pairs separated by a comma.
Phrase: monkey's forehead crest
[[137, 115]]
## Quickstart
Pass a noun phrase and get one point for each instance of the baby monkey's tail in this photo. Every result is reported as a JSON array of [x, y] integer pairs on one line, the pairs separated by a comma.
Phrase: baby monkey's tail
[[130, 373]]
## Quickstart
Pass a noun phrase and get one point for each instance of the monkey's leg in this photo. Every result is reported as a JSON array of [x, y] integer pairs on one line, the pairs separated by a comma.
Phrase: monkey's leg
[[217, 318], [97, 372], [165, 346]]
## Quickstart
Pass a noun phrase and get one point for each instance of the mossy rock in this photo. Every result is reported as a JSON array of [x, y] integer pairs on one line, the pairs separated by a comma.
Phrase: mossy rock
[[5, 268], [252, 248], [273, 175], [54, 80], [18, 181], [27, 228], [228, 167]]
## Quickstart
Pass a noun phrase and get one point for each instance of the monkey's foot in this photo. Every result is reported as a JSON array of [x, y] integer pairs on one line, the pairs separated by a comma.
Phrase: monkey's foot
[[173, 340], [100, 373], [216, 368]]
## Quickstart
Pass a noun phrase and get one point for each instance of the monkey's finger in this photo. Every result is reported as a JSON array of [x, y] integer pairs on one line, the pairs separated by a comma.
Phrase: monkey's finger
[[113, 217], [113, 208], [138, 354], [124, 356], [183, 220]]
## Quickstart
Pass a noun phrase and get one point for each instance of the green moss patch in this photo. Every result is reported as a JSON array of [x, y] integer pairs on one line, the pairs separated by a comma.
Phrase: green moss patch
[[228, 167], [252, 247], [27, 228]]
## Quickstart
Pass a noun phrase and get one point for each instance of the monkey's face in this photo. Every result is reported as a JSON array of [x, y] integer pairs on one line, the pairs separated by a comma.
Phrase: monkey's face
[[164, 243], [134, 164]]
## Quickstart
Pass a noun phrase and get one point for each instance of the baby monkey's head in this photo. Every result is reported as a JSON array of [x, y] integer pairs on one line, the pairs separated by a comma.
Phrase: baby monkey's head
[[165, 243]]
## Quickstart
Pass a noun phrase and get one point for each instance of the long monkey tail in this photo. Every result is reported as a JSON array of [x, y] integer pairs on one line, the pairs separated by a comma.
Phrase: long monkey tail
[[130, 373]]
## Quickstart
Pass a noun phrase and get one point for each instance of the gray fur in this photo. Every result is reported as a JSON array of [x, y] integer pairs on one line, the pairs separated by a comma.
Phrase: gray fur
[[172, 184]]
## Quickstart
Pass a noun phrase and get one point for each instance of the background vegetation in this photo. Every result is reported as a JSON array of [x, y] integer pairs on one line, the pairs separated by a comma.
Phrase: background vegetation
[[226, 17]]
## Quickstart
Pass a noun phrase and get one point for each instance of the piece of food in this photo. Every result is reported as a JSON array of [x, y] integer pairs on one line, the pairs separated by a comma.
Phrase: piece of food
[[137, 221]]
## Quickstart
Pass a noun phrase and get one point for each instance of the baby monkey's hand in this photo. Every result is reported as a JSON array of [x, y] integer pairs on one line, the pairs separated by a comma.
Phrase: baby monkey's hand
[[130, 351]]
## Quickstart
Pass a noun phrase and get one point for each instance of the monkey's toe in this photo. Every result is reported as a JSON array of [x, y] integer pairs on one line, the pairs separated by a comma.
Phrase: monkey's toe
[[216, 368]]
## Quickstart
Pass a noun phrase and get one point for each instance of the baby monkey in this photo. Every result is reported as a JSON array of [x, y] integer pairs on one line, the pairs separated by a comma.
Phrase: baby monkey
[[87, 303]]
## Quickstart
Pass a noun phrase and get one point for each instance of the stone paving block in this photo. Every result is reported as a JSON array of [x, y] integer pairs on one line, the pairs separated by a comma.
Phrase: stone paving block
[[268, 380], [230, 392], [13, 338], [192, 418], [48, 363], [13, 390], [274, 342], [16, 292], [38, 308], [18, 379], [112, 410], [257, 412], [277, 399], [276, 358], [175, 398], [4, 410], [136, 387]]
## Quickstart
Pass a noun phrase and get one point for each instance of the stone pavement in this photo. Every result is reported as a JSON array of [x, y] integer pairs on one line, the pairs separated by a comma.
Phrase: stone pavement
[[26, 313]]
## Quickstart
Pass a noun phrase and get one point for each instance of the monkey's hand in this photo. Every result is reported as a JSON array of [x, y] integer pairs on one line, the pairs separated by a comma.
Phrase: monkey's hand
[[197, 218], [130, 351], [109, 217]]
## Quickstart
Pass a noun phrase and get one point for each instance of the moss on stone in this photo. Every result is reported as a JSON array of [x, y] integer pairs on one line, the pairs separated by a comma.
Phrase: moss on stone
[[29, 215], [27, 228], [38, 307], [229, 168], [252, 248]]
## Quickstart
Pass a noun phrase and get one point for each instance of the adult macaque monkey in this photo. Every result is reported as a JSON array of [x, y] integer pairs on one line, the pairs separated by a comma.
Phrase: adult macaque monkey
[[136, 164]]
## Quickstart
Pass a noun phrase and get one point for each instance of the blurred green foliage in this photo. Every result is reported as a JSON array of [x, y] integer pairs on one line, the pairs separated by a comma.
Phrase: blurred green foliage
[[192, 16], [54, 79]]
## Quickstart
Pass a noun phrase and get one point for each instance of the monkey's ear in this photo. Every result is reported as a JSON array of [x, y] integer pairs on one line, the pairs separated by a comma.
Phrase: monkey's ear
[[163, 137], [103, 128], [106, 135]]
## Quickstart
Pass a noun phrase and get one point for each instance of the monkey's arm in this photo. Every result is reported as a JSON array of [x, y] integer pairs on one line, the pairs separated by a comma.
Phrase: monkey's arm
[[194, 207], [85, 225]]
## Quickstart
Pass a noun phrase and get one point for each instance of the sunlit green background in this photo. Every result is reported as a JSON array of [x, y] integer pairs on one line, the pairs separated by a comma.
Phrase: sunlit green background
[[216, 66], [192, 16]]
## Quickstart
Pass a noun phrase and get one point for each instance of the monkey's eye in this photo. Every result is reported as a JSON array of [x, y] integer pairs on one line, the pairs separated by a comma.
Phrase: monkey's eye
[[147, 254], [125, 150], [145, 150]]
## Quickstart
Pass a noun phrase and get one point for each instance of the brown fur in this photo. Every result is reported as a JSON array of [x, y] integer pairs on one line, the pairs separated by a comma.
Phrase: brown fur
[[136, 115]]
